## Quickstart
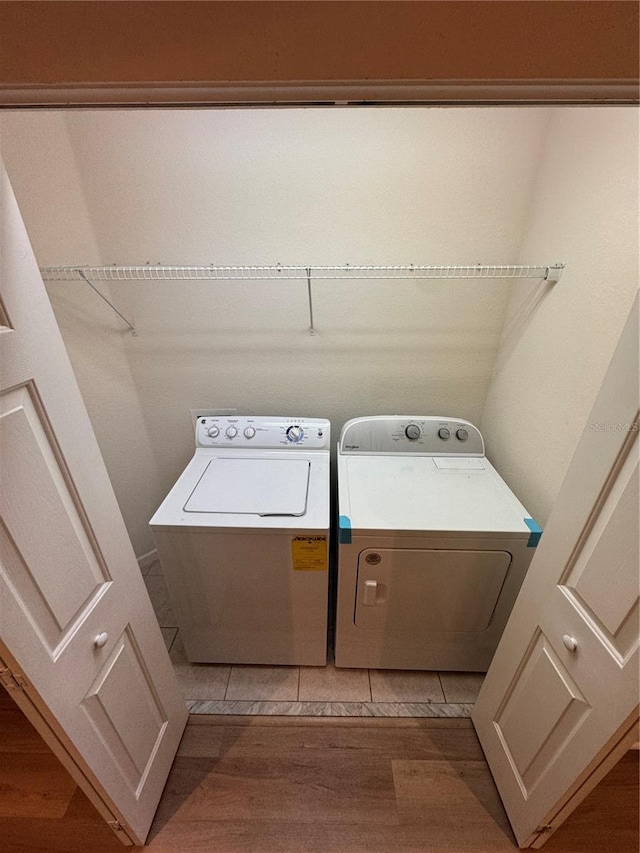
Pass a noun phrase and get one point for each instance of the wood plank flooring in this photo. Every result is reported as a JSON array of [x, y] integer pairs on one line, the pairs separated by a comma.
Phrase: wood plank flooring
[[301, 785]]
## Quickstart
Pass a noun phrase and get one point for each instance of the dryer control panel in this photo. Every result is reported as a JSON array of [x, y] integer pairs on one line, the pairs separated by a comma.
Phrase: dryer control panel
[[424, 435], [263, 432]]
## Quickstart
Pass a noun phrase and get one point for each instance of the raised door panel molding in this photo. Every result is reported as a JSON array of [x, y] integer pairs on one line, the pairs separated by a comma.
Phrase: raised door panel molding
[[126, 712], [609, 600], [35, 493], [545, 703], [5, 325]]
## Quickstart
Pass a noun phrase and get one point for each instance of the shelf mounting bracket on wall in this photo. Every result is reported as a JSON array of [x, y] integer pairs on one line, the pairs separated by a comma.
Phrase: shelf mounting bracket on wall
[[132, 328], [550, 273], [312, 331]]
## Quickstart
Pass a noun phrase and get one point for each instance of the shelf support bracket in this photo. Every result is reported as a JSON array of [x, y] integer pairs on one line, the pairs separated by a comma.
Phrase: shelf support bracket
[[132, 328], [312, 331]]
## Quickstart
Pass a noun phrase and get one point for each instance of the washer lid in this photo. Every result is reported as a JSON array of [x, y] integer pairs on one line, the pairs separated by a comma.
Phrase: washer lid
[[252, 487]]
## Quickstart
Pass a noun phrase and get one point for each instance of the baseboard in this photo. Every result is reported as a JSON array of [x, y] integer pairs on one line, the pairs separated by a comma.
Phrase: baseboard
[[146, 559]]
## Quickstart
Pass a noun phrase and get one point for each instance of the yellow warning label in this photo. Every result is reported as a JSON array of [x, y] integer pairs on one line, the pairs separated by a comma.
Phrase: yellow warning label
[[309, 553]]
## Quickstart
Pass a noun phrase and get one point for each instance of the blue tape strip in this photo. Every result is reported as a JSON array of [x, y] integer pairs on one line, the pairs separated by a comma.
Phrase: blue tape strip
[[536, 532], [344, 532]]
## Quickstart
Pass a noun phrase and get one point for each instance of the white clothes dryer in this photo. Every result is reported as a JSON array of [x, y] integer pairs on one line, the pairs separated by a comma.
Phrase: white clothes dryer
[[433, 546], [242, 539]]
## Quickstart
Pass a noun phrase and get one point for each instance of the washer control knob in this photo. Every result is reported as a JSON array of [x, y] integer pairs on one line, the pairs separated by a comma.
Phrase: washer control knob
[[412, 432], [213, 431], [231, 432], [462, 434], [249, 432], [444, 433], [295, 433]]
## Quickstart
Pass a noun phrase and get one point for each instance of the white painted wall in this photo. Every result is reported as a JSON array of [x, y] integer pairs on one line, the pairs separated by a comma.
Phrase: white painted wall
[[290, 186], [557, 342]]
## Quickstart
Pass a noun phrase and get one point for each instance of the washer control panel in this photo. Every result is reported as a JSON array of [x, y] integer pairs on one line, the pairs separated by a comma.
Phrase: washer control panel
[[426, 435], [263, 432]]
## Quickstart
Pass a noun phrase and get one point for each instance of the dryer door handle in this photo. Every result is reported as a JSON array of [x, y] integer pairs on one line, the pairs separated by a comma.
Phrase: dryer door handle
[[370, 592]]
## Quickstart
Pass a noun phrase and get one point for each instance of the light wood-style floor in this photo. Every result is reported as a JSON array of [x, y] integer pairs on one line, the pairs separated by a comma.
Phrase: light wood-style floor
[[296, 785]]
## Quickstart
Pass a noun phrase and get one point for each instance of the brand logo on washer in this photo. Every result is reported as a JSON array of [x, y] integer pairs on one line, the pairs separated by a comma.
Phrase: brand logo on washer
[[352, 447], [373, 559]]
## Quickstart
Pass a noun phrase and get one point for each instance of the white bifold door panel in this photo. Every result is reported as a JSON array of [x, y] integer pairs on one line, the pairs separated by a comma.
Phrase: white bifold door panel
[[80, 648], [560, 700]]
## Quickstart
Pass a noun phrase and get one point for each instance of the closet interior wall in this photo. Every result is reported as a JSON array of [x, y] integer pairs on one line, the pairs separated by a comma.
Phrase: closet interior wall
[[557, 342], [314, 186]]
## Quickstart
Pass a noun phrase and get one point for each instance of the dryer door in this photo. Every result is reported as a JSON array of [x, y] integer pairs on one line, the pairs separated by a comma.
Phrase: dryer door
[[422, 591]]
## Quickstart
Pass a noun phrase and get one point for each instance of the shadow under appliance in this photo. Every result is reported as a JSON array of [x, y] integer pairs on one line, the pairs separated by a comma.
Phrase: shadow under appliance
[[242, 538], [433, 546]]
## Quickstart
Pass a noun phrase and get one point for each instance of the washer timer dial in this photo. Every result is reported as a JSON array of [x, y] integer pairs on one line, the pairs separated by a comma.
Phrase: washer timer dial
[[295, 434], [412, 432], [213, 431]]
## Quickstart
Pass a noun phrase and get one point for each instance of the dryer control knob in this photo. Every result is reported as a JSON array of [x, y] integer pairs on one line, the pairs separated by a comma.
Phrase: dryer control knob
[[213, 431], [444, 433], [249, 432], [462, 434], [231, 432], [295, 433], [412, 432]]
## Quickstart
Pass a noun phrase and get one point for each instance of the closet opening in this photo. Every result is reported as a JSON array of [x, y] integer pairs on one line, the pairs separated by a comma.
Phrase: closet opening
[[300, 193]]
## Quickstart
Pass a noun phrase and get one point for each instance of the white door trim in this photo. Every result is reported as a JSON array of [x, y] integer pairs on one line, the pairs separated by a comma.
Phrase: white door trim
[[337, 93]]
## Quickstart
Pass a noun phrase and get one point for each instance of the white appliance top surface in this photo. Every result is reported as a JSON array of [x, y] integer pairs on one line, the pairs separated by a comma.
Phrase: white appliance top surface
[[395, 492], [253, 486], [213, 493]]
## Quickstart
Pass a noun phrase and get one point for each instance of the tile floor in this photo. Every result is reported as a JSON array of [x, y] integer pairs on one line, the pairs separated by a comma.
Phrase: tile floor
[[308, 691]]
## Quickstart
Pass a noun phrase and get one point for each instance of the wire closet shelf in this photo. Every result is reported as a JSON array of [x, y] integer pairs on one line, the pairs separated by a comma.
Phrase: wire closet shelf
[[159, 272], [148, 272]]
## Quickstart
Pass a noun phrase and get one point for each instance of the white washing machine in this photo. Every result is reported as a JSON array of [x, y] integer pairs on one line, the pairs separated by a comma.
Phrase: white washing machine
[[433, 546], [242, 538]]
